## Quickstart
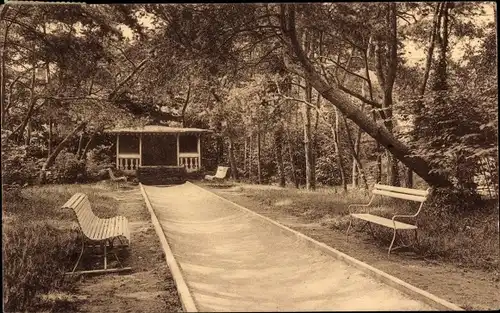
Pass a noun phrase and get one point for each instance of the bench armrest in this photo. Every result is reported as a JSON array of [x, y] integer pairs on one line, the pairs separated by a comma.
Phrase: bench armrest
[[403, 215], [360, 205], [409, 215]]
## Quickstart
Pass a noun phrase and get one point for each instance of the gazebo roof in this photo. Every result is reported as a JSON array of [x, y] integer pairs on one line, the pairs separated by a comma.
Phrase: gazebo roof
[[156, 129]]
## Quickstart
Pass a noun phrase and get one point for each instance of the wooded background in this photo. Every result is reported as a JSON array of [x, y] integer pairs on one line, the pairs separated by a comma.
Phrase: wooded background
[[300, 94]]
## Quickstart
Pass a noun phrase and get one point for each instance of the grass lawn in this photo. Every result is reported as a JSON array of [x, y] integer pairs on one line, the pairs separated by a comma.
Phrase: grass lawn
[[456, 259], [40, 243]]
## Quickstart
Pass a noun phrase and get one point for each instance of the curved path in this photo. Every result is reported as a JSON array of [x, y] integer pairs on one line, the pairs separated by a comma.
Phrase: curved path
[[232, 260]]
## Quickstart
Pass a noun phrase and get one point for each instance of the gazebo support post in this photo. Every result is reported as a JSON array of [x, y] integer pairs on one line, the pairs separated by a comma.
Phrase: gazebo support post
[[178, 159], [140, 149], [199, 151], [117, 150]]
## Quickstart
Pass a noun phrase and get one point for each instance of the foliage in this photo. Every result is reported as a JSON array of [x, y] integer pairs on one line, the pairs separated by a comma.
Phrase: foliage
[[32, 255], [68, 169], [18, 167]]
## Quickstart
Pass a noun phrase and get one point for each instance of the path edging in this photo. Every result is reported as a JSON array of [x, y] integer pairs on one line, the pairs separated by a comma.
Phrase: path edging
[[185, 296], [390, 280]]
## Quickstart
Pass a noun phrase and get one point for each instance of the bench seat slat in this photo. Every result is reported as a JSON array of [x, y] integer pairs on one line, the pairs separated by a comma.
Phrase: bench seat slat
[[109, 230], [415, 192], [93, 227], [399, 195], [382, 221], [97, 226], [102, 229], [85, 218]]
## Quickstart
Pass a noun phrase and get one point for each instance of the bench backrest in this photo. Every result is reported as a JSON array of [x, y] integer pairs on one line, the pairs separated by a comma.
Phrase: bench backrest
[[401, 193], [221, 171], [80, 205]]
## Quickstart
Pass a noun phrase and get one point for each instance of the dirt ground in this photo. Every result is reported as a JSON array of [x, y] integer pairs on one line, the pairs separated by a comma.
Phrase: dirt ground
[[468, 288], [149, 288]]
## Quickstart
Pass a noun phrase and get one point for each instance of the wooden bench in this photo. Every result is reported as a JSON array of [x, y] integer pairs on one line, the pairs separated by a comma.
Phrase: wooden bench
[[98, 232], [114, 178], [220, 174], [393, 192]]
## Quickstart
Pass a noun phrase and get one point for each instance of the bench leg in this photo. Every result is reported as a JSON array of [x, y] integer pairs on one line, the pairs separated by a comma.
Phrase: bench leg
[[80, 256], [363, 227], [392, 242], [371, 230], [348, 227], [105, 257]]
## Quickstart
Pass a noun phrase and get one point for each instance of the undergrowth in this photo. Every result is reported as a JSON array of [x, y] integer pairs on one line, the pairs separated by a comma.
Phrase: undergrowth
[[40, 243]]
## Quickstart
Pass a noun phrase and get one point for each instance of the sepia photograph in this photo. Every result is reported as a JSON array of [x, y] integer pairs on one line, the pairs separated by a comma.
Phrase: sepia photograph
[[232, 157]]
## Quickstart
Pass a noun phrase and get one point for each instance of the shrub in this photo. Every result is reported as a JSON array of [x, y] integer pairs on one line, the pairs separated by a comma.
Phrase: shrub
[[35, 257], [67, 169], [17, 166]]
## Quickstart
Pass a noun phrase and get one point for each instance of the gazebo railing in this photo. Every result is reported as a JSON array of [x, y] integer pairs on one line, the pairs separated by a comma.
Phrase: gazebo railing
[[191, 161], [128, 162]]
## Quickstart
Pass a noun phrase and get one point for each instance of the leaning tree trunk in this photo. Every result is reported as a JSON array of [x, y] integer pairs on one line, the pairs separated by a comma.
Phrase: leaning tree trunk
[[349, 109], [51, 159]]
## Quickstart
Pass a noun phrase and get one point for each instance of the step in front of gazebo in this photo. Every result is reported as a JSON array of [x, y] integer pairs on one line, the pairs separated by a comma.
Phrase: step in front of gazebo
[[162, 175]]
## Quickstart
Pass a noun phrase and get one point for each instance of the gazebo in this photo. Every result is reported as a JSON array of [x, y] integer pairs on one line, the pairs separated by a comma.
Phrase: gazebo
[[158, 146]]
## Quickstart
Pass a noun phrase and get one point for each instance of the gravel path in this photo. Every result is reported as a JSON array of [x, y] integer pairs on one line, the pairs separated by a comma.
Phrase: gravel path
[[234, 261]]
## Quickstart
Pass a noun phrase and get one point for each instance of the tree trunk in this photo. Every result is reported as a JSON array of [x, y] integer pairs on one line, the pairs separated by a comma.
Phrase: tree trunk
[[354, 174], [314, 147], [28, 134], [220, 150], [292, 160], [19, 131], [378, 176], [307, 141], [3, 56], [386, 67], [50, 137], [278, 142], [421, 90], [185, 105], [307, 124], [250, 158], [245, 154], [355, 155], [232, 160], [51, 159], [338, 155], [259, 173], [87, 146], [80, 145], [345, 105]]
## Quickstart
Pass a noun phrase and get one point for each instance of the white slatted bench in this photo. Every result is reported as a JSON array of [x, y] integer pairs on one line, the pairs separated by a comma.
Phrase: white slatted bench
[[220, 174], [114, 178], [98, 232], [393, 192]]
